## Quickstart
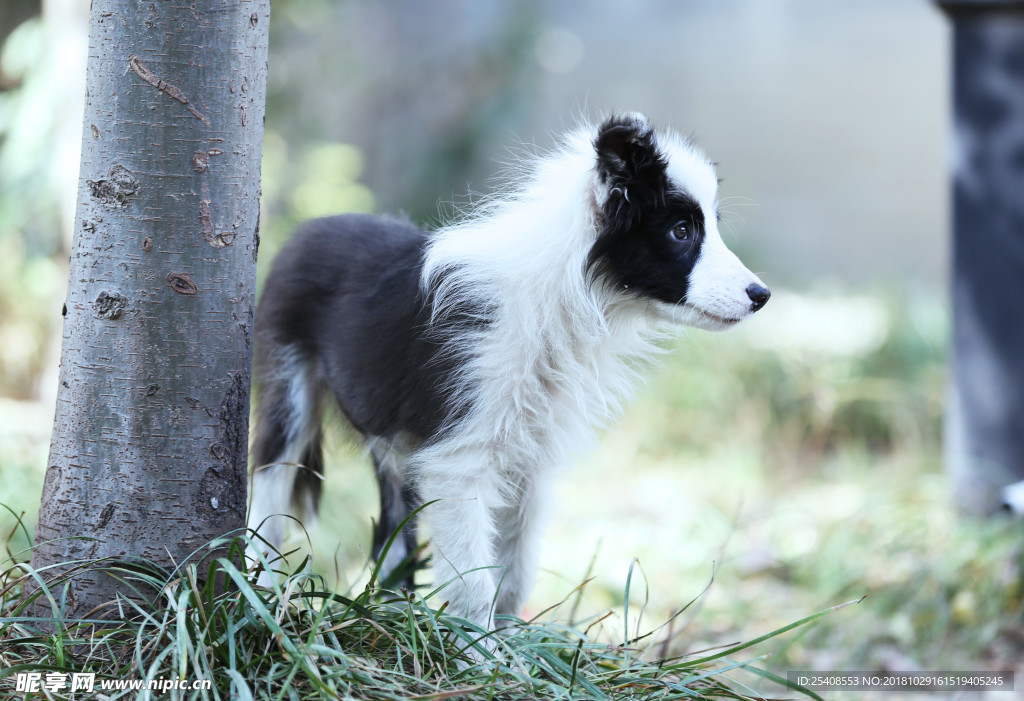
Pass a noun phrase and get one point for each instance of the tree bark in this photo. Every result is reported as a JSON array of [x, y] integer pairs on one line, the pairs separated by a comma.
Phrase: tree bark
[[149, 447]]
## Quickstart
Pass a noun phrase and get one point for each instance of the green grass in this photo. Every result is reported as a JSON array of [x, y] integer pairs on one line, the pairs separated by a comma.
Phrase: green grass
[[300, 640]]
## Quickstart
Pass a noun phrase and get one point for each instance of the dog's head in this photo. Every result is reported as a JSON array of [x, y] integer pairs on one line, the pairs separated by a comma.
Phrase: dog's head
[[658, 228]]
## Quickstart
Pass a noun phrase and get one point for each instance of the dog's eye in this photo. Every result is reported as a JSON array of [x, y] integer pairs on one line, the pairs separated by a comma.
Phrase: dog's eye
[[682, 231]]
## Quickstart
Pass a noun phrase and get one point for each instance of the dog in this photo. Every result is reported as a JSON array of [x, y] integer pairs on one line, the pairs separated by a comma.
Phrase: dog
[[475, 359]]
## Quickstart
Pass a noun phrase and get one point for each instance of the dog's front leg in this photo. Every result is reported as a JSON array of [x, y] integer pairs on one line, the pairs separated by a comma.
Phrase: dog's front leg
[[462, 533], [519, 526]]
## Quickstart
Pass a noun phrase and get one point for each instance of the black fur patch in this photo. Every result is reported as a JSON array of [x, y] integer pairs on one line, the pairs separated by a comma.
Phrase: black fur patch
[[346, 294], [635, 249], [309, 480]]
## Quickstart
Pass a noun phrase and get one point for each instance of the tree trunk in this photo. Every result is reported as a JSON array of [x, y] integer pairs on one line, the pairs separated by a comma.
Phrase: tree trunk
[[149, 446]]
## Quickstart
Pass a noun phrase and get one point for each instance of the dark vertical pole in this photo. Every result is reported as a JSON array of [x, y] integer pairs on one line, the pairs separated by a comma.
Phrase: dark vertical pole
[[985, 417]]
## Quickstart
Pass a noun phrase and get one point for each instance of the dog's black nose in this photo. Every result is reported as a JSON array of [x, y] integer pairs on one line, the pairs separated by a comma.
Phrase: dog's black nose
[[758, 296]]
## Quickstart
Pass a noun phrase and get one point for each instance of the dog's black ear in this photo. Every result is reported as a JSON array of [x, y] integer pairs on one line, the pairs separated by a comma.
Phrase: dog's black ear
[[627, 151]]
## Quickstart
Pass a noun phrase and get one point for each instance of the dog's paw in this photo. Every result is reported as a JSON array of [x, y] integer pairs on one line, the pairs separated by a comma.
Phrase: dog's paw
[[485, 651]]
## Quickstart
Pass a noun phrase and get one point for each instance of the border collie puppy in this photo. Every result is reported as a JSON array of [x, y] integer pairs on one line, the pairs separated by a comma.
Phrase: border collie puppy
[[476, 359]]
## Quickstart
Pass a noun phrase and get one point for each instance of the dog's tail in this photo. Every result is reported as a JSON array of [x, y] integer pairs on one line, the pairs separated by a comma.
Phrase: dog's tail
[[287, 450]]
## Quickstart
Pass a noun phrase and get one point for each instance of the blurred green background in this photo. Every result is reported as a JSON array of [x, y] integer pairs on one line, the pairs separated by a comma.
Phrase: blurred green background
[[797, 459]]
